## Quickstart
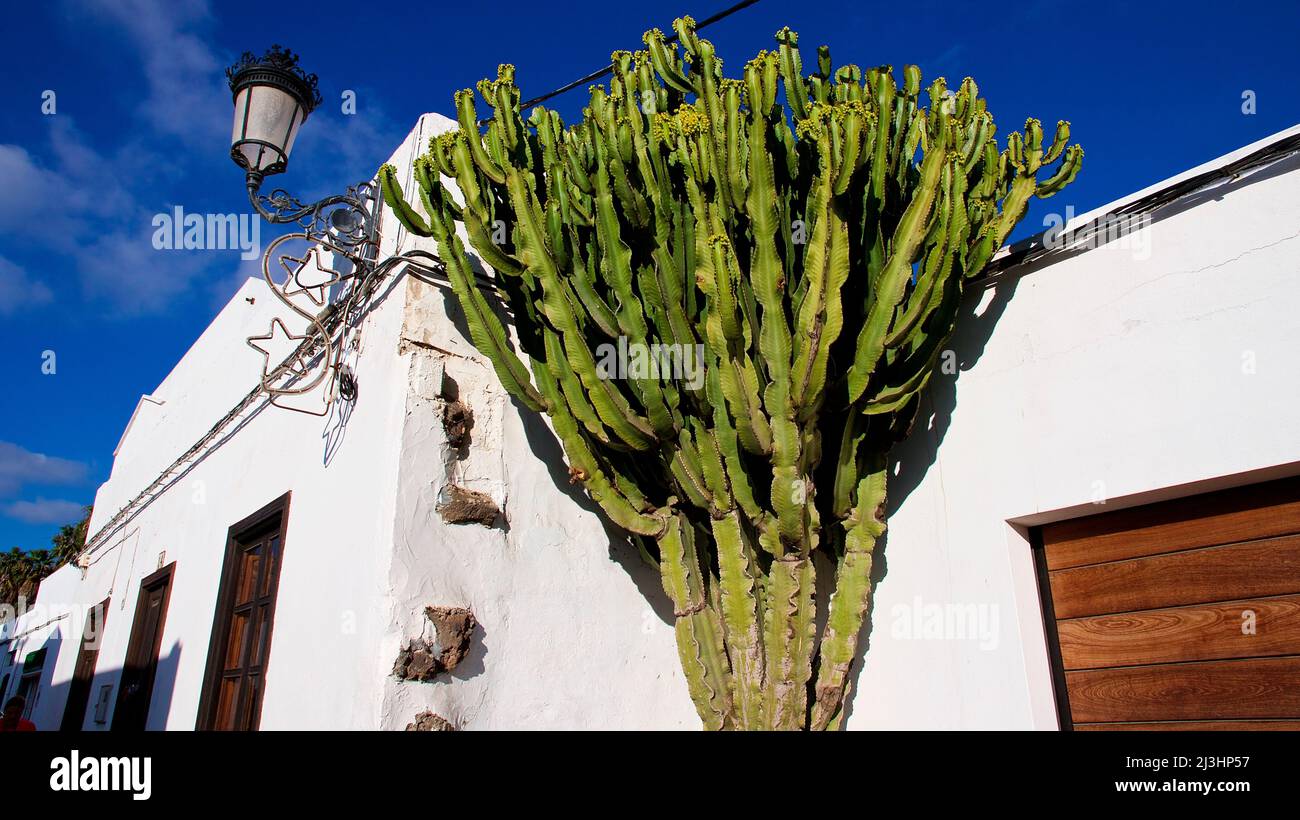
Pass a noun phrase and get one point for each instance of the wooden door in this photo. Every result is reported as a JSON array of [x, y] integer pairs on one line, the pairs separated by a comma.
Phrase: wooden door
[[74, 714], [241, 636], [1178, 615], [135, 691]]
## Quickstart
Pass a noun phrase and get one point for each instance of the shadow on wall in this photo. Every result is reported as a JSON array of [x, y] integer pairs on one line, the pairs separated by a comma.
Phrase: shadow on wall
[[910, 460], [543, 444], [52, 703], [33, 685]]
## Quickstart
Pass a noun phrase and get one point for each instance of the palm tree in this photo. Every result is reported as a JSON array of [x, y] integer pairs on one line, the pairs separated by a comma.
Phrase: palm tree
[[71, 538], [21, 572]]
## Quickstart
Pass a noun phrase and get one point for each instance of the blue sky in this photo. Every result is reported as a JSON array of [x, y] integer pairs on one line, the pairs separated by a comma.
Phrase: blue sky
[[142, 115]]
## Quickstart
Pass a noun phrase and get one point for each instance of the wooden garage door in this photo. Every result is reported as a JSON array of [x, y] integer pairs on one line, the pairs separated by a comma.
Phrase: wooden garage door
[[1179, 615]]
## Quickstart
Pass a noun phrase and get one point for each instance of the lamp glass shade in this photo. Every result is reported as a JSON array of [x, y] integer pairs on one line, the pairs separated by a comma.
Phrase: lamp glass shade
[[266, 124]]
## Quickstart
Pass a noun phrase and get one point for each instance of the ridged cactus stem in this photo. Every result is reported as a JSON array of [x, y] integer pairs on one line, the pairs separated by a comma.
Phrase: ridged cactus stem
[[782, 271]]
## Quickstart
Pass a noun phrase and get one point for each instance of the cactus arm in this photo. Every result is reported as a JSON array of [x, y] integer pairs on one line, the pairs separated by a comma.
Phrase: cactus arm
[[631, 311], [666, 62], [728, 444], [766, 271], [726, 281], [937, 266], [821, 318], [1064, 175], [486, 330], [392, 192], [789, 638], [737, 148], [699, 635], [744, 646], [480, 239], [1059, 142], [848, 604], [847, 465], [584, 285], [684, 462], [572, 392], [711, 466], [557, 304], [468, 120], [739, 376], [584, 466], [896, 273], [796, 92]]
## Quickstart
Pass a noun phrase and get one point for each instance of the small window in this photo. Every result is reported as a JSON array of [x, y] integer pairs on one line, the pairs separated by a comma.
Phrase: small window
[[29, 684], [241, 631]]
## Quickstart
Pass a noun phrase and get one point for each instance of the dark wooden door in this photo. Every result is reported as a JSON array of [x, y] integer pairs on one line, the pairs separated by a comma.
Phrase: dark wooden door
[[239, 692], [74, 714], [1179, 615], [241, 636], [135, 692]]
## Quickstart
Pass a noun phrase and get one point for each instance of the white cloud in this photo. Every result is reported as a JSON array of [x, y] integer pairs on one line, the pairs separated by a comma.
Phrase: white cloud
[[125, 269], [45, 511], [19, 467], [95, 205], [187, 97], [18, 291], [80, 209]]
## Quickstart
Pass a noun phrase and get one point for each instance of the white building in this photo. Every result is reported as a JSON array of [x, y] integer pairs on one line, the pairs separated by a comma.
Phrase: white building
[[1160, 364]]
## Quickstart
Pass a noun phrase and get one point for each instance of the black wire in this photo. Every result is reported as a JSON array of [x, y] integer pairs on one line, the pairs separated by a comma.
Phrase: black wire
[[1032, 249], [596, 75]]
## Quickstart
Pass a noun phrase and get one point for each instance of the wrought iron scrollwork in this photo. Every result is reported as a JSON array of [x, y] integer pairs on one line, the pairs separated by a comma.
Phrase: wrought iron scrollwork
[[344, 225]]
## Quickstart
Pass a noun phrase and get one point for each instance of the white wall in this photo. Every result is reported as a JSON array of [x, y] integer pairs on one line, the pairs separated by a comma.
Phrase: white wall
[[1105, 375], [1102, 368], [323, 658], [568, 638], [574, 629]]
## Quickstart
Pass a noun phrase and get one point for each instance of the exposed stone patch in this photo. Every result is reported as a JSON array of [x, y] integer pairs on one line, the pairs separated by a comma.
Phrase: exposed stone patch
[[429, 722], [422, 660], [454, 627], [457, 420], [458, 505]]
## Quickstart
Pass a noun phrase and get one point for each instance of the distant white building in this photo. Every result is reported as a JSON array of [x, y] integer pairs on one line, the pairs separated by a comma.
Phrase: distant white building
[[272, 578]]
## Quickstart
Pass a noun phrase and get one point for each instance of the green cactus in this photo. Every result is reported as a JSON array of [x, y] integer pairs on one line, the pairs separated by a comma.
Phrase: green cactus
[[804, 258]]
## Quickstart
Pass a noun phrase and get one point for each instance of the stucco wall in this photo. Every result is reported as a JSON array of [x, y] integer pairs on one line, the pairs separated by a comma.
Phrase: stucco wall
[[324, 667], [1116, 375], [1110, 375], [574, 629]]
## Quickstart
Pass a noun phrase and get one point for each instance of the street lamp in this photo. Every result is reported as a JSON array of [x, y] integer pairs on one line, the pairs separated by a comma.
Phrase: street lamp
[[273, 97]]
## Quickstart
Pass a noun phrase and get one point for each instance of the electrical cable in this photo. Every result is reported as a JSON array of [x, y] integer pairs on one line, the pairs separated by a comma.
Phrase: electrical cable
[[596, 75]]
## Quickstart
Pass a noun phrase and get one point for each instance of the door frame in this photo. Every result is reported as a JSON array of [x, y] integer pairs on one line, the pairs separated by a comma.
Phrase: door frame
[[79, 688], [236, 536], [162, 577], [1253, 490]]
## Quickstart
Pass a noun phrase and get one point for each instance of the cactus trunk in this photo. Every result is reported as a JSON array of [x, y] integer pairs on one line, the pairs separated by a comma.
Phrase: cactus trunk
[[780, 272]]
